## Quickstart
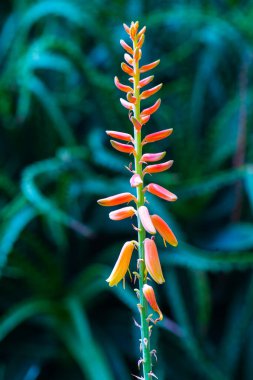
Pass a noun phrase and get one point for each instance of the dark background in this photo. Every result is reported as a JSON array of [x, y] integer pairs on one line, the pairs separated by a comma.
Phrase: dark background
[[59, 318]]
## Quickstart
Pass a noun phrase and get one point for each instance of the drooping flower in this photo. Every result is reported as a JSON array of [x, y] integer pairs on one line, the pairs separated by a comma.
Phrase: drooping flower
[[164, 230], [152, 261], [122, 264], [149, 294]]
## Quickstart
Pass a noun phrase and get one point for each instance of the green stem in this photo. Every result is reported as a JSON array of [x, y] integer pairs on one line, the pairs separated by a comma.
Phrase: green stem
[[145, 339]]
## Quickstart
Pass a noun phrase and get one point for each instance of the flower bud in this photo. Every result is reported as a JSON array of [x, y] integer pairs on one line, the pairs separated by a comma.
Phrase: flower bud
[[146, 220], [122, 264], [122, 213], [164, 230], [152, 261], [149, 294]]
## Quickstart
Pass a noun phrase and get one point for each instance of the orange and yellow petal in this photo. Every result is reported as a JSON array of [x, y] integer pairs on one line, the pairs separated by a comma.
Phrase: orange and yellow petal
[[164, 230], [152, 261], [149, 294], [122, 264]]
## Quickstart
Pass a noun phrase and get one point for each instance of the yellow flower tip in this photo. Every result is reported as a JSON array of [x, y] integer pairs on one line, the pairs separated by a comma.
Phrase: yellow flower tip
[[152, 261], [122, 264], [149, 294]]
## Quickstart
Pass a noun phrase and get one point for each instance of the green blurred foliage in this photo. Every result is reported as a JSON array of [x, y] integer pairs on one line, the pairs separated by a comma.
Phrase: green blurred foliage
[[59, 319]]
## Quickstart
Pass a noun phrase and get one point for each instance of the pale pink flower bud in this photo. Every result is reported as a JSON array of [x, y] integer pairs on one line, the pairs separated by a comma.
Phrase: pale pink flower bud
[[146, 220], [135, 180]]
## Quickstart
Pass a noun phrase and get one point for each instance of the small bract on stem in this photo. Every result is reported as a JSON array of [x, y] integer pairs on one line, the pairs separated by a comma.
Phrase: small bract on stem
[[148, 262]]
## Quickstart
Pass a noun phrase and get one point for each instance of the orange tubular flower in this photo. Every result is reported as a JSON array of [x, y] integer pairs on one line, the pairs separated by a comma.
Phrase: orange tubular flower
[[152, 157], [153, 137], [128, 59], [150, 66], [116, 200], [146, 220], [158, 168], [126, 104], [122, 213], [146, 81], [146, 94], [164, 230], [122, 264], [126, 46], [152, 109], [120, 135], [124, 148], [127, 69], [120, 86], [135, 180], [161, 192], [152, 261], [149, 294]]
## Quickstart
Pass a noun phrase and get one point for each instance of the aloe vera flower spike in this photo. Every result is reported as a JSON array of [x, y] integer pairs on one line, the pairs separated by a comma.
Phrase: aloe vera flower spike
[[148, 262]]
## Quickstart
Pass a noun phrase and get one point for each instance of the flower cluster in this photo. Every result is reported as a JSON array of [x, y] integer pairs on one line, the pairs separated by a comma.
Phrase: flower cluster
[[144, 163]]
